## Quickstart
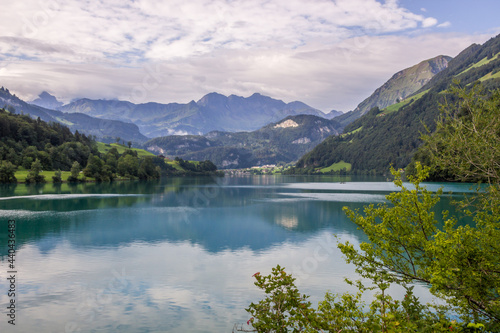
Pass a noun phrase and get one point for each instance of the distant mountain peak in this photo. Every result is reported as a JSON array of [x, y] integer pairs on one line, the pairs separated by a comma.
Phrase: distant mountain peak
[[333, 113], [259, 96], [48, 101]]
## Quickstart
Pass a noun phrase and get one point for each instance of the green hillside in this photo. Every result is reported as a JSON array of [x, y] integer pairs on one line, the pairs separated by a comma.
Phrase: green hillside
[[388, 137], [335, 167], [397, 106], [106, 147]]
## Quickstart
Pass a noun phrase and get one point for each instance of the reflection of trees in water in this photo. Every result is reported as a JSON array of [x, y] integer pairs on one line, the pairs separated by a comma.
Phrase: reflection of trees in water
[[215, 213]]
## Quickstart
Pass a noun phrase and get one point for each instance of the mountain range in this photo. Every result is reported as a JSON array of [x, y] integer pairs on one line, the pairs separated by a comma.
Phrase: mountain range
[[391, 135], [213, 112]]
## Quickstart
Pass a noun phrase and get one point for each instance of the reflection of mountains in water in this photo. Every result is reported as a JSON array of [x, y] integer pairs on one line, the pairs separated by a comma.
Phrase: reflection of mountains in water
[[215, 216]]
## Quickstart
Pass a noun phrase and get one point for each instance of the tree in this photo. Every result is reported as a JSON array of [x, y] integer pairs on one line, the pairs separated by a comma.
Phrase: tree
[[128, 165], [94, 168], [147, 170], [459, 261], [57, 177], [75, 172], [466, 147], [207, 166], [34, 173], [284, 308], [7, 172], [129, 143], [466, 143]]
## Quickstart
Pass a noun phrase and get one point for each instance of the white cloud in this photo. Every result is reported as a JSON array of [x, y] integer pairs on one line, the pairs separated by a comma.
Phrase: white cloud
[[337, 77], [429, 22], [179, 28], [444, 24], [329, 54]]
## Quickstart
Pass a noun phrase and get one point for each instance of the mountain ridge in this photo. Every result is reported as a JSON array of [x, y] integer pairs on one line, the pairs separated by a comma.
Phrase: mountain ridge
[[213, 111], [101, 128]]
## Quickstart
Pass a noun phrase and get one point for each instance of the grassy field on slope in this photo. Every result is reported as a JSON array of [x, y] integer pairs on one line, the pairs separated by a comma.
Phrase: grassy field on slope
[[105, 147], [337, 167], [395, 107], [483, 61]]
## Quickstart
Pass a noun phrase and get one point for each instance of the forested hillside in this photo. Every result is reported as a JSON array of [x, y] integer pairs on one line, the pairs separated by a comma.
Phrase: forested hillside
[[36, 146], [23, 139], [391, 136]]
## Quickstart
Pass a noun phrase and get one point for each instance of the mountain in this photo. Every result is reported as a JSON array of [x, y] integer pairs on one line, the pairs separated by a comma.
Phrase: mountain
[[48, 101], [398, 87], [104, 129], [332, 114], [283, 141], [388, 136], [213, 112]]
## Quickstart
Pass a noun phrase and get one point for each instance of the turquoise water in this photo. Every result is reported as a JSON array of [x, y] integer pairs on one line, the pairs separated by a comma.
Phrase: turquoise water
[[176, 255]]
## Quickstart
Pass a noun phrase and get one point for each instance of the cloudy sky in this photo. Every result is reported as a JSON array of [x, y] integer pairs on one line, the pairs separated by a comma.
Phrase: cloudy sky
[[330, 54]]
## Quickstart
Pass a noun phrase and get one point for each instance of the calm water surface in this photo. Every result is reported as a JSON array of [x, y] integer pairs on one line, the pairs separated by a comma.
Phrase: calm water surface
[[176, 255]]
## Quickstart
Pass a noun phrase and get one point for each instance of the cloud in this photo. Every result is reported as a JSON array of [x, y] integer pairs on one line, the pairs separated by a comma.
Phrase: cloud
[[177, 28], [444, 24], [329, 54], [335, 77], [429, 22]]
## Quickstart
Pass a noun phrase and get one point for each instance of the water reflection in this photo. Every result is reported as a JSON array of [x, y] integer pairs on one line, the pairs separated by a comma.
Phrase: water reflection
[[215, 215], [175, 255]]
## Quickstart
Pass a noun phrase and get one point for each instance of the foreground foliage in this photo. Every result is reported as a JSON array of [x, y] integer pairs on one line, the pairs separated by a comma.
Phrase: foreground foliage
[[458, 259], [466, 143], [406, 245]]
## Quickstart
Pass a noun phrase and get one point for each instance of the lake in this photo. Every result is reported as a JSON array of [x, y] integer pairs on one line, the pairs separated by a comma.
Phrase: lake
[[175, 255]]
